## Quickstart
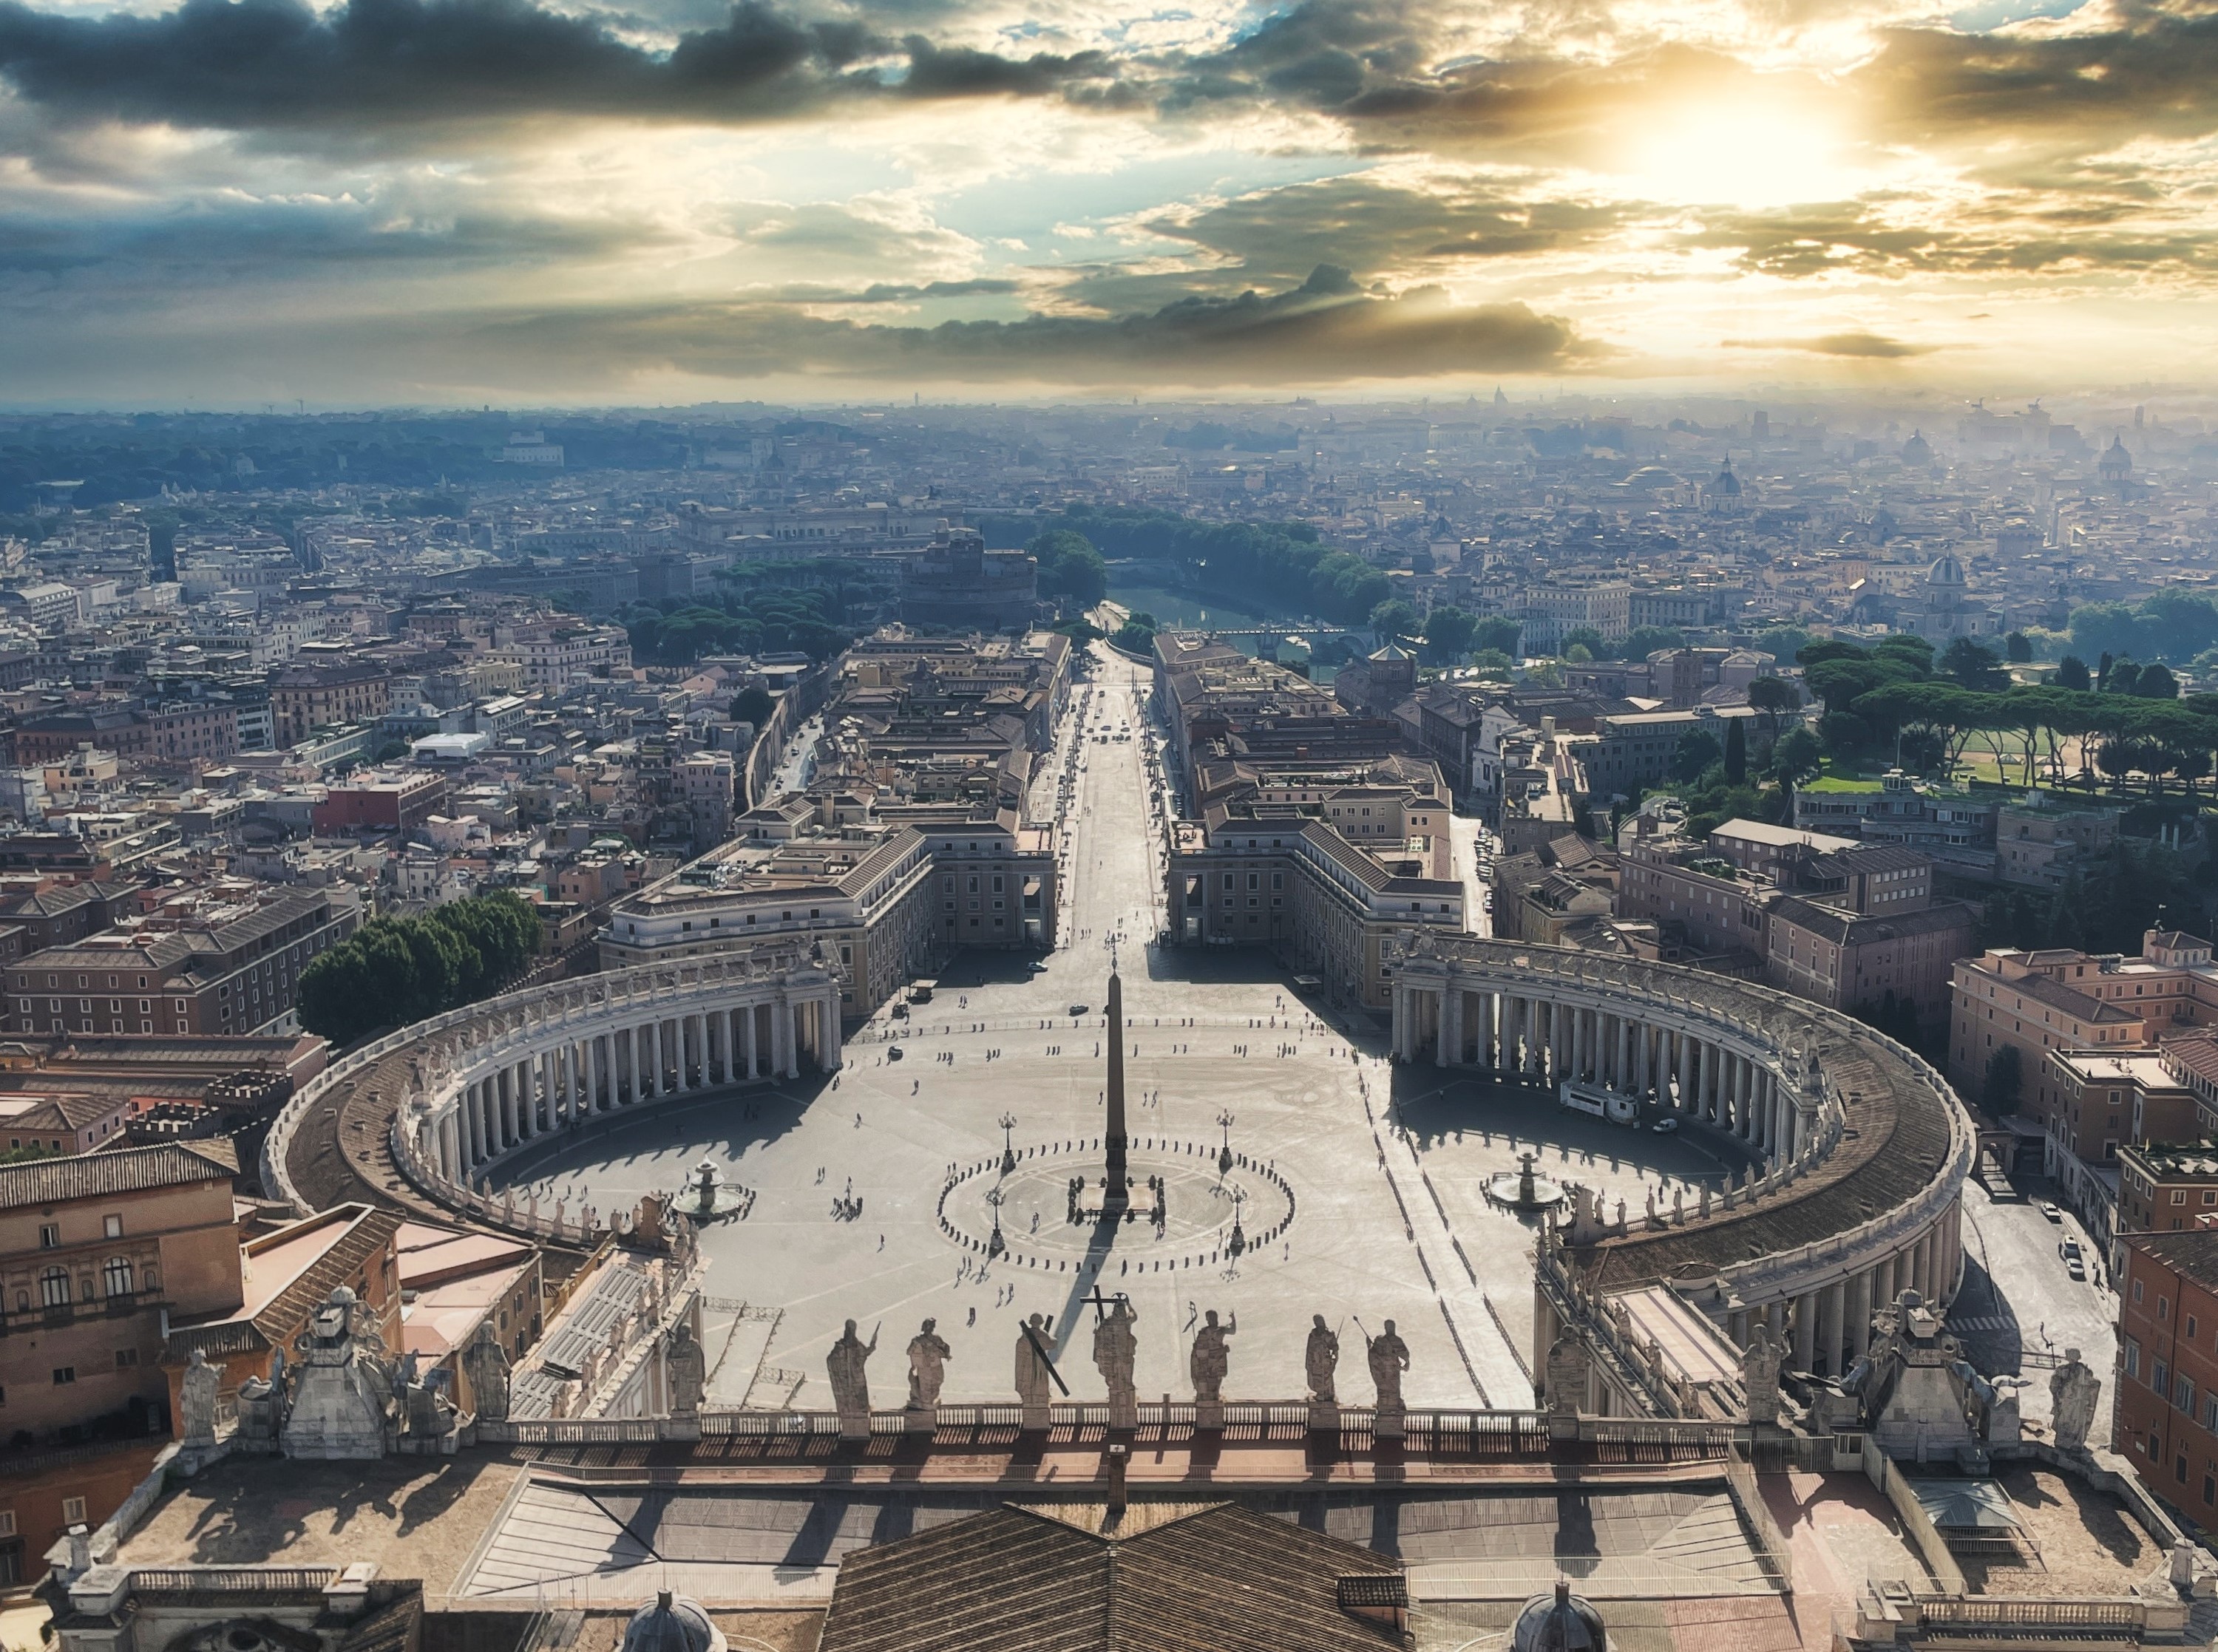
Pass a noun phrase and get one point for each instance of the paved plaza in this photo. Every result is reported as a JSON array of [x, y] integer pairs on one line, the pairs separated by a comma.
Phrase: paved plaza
[[1370, 1182]]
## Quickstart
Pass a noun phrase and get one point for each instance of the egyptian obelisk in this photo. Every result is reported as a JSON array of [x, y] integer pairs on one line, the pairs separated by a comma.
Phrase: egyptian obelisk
[[1114, 1194]]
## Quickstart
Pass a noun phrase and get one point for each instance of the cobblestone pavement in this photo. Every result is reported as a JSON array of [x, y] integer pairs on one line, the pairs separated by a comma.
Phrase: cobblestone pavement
[[1386, 1171]]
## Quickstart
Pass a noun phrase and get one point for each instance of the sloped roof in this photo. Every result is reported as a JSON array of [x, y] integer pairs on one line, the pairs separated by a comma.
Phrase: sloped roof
[[1018, 1579], [132, 1170]]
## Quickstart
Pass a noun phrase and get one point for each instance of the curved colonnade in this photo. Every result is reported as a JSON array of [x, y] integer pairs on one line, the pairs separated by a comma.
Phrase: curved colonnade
[[488, 1080], [1863, 1147]]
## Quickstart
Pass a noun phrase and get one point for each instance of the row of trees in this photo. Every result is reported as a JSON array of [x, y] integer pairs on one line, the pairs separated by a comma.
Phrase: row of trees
[[395, 970], [1278, 564], [1897, 697], [756, 618], [1071, 572]]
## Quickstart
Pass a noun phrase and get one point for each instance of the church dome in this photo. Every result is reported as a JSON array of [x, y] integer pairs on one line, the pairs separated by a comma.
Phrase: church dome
[[1726, 482], [670, 1622], [1562, 1622], [1946, 571], [1390, 655], [1917, 450], [2116, 463]]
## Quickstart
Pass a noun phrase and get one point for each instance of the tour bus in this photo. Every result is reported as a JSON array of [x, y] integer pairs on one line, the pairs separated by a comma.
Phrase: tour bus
[[1601, 1101]]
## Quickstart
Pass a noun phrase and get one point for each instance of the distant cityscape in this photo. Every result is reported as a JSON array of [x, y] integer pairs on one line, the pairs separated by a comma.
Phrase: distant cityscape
[[526, 940]]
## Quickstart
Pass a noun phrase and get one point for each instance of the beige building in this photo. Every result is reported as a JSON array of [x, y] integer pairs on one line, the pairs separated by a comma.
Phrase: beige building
[[97, 1253]]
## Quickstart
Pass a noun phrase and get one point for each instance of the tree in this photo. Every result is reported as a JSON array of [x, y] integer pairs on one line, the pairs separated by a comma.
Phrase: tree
[[2072, 673], [1698, 748], [1586, 637], [2124, 676], [1070, 567], [2156, 682], [1579, 654], [1448, 632], [1645, 639], [1492, 661], [2017, 648], [1391, 619], [1498, 633], [396, 970], [1798, 755], [1973, 668], [1736, 751], [1771, 695], [2005, 1081], [752, 706]]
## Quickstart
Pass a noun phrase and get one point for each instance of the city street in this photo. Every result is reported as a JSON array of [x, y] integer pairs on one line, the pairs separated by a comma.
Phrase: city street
[[2017, 1306]]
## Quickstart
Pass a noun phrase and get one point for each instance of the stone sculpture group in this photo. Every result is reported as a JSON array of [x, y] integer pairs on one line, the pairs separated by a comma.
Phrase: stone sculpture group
[[1115, 1351]]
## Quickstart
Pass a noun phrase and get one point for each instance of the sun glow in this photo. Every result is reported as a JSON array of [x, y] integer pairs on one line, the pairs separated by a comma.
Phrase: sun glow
[[1738, 154]]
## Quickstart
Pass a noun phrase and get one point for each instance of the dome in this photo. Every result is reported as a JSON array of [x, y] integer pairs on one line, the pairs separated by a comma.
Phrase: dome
[[670, 1622], [1946, 571], [1558, 1623], [1390, 655], [1917, 450], [1726, 482]]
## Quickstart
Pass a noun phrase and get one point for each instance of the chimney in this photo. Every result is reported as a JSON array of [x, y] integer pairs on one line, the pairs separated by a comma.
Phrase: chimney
[[1119, 1457]]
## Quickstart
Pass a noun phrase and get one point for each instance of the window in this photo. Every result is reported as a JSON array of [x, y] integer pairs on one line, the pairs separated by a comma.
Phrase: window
[[2160, 1376], [54, 1288], [72, 1511], [2182, 1395], [64, 1375], [112, 1226], [50, 1236], [116, 1278], [126, 1358]]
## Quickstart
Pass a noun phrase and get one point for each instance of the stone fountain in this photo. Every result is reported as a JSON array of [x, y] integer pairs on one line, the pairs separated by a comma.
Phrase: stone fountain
[[708, 1197], [1524, 1189]]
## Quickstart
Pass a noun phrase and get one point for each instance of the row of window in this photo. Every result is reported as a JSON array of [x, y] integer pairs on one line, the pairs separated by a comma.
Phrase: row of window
[[119, 1277]]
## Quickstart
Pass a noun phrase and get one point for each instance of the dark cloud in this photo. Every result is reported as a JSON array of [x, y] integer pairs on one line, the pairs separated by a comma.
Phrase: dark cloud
[[2155, 72], [276, 64], [1324, 331], [201, 244], [1865, 346]]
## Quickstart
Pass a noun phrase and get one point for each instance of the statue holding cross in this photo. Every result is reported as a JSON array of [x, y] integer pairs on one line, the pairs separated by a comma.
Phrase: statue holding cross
[[1116, 1352]]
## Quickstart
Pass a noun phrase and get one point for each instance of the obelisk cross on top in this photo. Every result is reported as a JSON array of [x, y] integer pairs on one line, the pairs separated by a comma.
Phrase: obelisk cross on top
[[1114, 1194]]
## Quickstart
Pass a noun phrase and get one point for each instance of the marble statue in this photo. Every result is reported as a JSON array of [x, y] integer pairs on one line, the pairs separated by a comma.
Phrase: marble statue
[[1389, 1357], [2072, 1391], [850, 1384], [1319, 1358], [686, 1364], [928, 1354], [484, 1362], [197, 1399], [1210, 1359], [1759, 1371], [1033, 1367], [1116, 1352]]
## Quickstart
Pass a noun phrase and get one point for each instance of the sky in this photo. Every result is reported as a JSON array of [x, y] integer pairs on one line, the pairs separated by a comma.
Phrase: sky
[[234, 202]]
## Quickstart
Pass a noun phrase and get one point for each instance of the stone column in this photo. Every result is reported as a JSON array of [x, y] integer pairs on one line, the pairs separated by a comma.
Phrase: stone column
[[755, 1064], [638, 1064], [1805, 1329], [832, 1058], [1829, 1326], [1447, 1047], [727, 1024], [1859, 1314]]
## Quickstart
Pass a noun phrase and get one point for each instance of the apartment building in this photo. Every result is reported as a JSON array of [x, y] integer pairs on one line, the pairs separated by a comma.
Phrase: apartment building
[[2167, 1420], [2059, 998], [1284, 876], [1554, 609], [94, 1251], [893, 896], [222, 961], [555, 656], [307, 695]]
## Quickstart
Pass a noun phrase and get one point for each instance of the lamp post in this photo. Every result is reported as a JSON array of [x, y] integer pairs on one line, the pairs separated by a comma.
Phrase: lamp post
[[1224, 1156], [1008, 1150]]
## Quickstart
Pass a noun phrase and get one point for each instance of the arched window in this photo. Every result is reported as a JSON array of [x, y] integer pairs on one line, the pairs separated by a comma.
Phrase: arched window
[[54, 1288], [116, 1277]]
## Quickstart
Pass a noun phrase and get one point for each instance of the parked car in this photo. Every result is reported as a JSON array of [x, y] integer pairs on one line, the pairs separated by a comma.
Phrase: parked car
[[2069, 1250], [2052, 1213], [1078, 1009], [1664, 1126], [2075, 1268]]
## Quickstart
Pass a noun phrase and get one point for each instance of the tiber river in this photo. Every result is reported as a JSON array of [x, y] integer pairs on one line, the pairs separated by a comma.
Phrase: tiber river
[[1203, 612]]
